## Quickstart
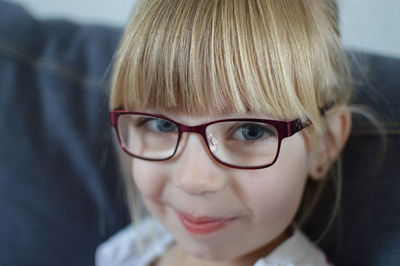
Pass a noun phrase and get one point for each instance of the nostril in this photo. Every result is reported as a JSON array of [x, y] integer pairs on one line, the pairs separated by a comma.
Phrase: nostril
[[196, 174], [199, 183]]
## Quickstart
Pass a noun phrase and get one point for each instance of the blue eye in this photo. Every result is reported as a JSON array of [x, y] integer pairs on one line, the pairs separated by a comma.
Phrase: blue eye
[[252, 132], [165, 126], [158, 125]]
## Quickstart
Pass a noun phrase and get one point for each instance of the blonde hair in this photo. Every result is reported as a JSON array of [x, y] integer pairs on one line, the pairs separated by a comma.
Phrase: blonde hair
[[279, 58]]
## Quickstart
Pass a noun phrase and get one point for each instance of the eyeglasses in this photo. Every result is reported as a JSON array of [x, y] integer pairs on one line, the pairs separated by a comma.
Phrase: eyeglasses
[[242, 143]]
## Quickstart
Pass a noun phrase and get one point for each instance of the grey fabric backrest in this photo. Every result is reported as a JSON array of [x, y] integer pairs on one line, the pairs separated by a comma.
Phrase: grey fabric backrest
[[60, 188], [367, 229]]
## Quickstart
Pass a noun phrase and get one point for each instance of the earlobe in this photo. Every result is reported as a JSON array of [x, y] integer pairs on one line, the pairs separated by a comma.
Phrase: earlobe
[[318, 172], [331, 144]]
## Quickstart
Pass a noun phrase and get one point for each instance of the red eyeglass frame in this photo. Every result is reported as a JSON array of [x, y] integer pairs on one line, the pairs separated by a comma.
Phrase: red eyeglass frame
[[284, 128]]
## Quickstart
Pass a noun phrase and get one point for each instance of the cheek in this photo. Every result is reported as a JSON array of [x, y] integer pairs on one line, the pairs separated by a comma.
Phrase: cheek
[[148, 178], [275, 192]]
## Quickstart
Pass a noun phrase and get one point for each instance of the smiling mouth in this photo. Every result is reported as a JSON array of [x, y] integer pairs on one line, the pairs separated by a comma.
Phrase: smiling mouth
[[203, 225]]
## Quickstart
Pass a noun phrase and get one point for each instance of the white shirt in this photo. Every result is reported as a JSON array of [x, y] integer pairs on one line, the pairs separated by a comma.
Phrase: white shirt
[[123, 249]]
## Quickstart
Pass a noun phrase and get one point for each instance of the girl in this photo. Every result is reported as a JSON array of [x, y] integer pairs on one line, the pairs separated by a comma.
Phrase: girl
[[226, 109]]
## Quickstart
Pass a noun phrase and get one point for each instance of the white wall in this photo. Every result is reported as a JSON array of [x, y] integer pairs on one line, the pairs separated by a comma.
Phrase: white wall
[[370, 25]]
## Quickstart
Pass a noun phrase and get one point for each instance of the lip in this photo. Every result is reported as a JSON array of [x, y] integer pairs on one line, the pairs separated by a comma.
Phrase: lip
[[203, 225]]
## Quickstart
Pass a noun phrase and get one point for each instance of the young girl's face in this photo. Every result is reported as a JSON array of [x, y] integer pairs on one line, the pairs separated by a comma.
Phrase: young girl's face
[[219, 213]]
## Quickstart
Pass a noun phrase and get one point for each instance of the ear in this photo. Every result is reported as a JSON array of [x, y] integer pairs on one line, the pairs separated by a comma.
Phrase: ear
[[330, 144]]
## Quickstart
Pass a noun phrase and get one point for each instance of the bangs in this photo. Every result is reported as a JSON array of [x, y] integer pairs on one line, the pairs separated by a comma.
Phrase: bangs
[[221, 57]]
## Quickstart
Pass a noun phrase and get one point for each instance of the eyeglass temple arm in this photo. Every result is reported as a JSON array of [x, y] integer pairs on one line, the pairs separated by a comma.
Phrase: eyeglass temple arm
[[326, 107], [297, 125]]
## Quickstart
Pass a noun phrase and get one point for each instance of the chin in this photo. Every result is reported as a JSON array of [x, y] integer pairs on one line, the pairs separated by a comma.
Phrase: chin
[[209, 253], [209, 257]]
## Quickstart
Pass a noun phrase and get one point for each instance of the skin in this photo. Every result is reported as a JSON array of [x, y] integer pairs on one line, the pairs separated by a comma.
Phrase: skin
[[262, 202]]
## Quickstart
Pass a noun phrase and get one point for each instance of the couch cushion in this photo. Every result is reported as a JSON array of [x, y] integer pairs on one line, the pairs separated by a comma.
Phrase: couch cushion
[[367, 229], [371, 190], [60, 188]]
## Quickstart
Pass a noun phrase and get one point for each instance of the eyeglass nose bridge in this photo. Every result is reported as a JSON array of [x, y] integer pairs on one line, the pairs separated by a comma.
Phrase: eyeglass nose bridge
[[199, 129], [209, 141]]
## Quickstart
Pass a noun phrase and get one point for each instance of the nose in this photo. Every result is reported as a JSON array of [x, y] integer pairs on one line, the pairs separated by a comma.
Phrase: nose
[[196, 170]]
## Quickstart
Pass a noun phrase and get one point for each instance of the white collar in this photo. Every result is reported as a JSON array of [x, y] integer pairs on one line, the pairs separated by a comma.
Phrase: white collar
[[122, 249]]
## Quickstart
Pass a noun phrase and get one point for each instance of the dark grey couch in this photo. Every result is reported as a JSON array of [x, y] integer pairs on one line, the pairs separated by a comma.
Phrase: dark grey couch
[[60, 187]]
